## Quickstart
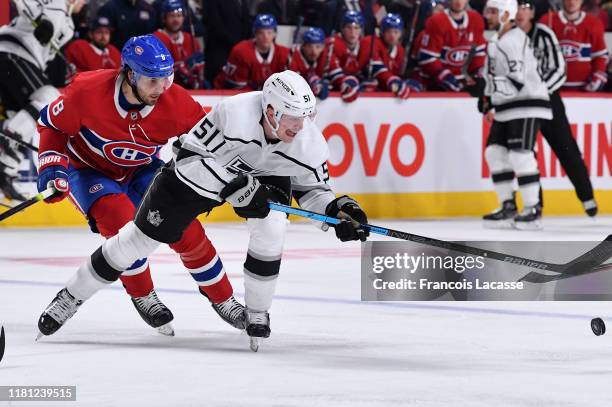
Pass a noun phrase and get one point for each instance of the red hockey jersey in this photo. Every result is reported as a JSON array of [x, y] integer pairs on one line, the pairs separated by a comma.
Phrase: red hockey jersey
[[347, 58], [308, 70], [386, 62], [88, 125], [181, 48], [87, 57], [446, 44], [583, 45], [246, 68]]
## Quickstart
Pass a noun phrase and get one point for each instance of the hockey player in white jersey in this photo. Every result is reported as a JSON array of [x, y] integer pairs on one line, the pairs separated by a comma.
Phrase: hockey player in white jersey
[[252, 148], [519, 99], [27, 44]]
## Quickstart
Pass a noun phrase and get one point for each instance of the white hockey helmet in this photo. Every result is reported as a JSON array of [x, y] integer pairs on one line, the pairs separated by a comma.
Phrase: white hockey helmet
[[288, 94], [511, 6]]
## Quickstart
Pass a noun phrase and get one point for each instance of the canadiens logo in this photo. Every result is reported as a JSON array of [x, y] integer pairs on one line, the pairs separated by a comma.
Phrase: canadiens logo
[[96, 188], [457, 56], [128, 154], [572, 51]]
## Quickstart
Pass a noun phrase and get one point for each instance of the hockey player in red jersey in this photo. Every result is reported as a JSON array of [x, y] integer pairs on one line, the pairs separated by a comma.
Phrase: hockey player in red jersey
[[387, 59], [185, 50], [98, 52], [347, 42], [252, 61], [317, 64], [99, 143], [581, 36], [446, 44]]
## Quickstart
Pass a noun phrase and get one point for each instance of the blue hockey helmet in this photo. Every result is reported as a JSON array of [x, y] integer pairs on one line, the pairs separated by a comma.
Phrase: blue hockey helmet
[[353, 17], [170, 6], [392, 20], [146, 55], [264, 21], [313, 36]]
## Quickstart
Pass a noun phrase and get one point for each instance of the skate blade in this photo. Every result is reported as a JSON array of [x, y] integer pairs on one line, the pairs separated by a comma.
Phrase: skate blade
[[40, 335], [498, 224], [254, 343], [166, 329], [536, 225]]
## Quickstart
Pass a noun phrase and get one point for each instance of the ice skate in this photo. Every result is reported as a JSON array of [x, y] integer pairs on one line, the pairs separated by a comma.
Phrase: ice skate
[[231, 311], [503, 217], [530, 218], [590, 207], [154, 313], [61, 309], [257, 327]]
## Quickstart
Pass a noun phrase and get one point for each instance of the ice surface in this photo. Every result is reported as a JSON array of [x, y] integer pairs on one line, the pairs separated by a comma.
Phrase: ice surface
[[326, 349]]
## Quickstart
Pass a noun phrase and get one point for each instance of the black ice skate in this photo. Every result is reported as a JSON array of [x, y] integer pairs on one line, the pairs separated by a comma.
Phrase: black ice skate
[[154, 313], [530, 218], [503, 217], [61, 309], [231, 311], [257, 327], [590, 207]]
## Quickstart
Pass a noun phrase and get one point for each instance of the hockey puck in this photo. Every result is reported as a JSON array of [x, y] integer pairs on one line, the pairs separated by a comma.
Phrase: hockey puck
[[598, 326]]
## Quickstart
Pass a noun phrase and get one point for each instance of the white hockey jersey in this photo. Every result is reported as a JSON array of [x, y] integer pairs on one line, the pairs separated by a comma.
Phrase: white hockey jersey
[[230, 140], [18, 37], [517, 91]]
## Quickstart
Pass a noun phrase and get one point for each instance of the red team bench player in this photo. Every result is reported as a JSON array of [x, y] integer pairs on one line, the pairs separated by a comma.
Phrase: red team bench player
[[252, 61], [99, 143]]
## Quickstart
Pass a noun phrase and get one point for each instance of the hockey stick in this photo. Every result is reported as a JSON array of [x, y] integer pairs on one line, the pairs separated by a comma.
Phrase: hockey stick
[[468, 62], [580, 265], [193, 41], [408, 47], [47, 193], [294, 39], [19, 141], [330, 53], [371, 58]]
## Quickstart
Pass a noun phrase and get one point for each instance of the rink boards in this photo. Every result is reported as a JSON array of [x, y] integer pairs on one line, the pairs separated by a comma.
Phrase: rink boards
[[422, 157]]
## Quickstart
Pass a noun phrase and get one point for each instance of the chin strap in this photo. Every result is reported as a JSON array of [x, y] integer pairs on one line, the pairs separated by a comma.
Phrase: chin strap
[[272, 128], [133, 87]]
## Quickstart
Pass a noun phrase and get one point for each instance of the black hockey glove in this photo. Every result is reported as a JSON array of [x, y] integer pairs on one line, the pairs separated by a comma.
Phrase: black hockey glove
[[248, 197], [347, 209], [43, 31], [484, 104], [477, 89]]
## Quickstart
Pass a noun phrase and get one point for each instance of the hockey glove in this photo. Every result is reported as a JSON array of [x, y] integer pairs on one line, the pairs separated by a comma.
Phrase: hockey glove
[[53, 172], [347, 209], [248, 196], [449, 82], [43, 31], [320, 87], [349, 89], [597, 82], [484, 104]]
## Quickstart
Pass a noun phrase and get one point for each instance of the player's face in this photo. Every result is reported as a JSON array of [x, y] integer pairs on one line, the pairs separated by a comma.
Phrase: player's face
[[524, 15], [457, 5], [572, 6], [312, 51], [289, 127], [100, 37], [392, 36], [174, 21], [492, 17], [351, 33], [151, 89], [264, 38]]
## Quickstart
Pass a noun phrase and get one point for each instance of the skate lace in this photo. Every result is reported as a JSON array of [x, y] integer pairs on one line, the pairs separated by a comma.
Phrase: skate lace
[[63, 308], [150, 303], [231, 308]]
